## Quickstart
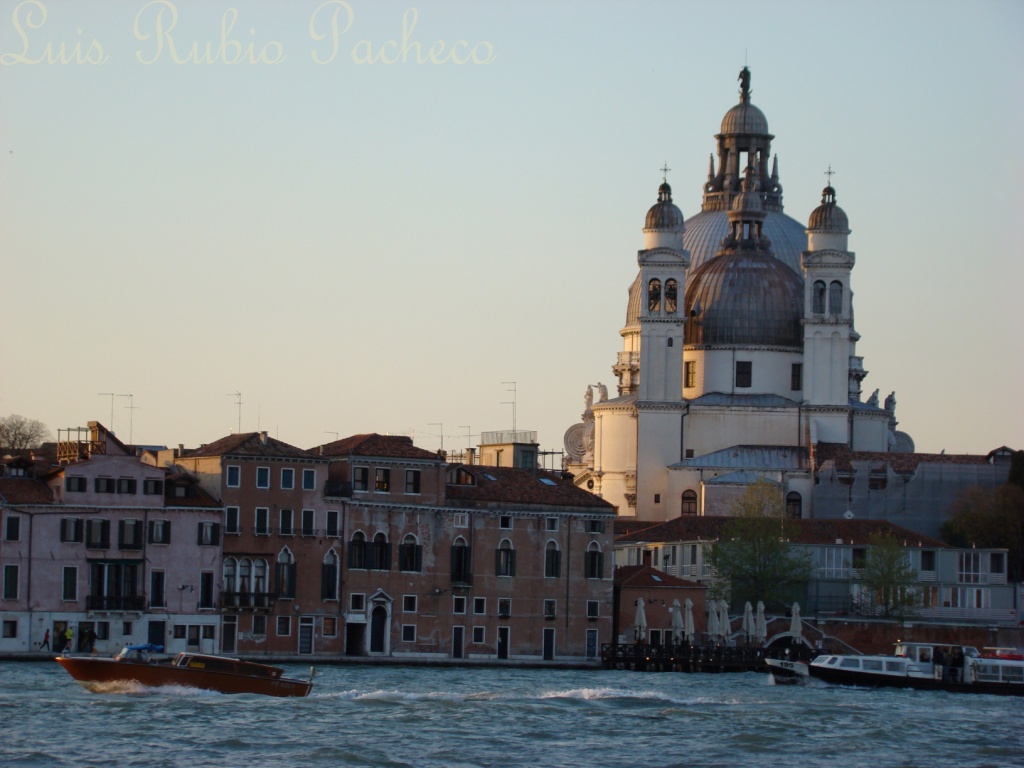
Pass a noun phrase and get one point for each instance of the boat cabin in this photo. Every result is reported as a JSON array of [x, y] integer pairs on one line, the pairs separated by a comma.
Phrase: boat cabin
[[222, 664]]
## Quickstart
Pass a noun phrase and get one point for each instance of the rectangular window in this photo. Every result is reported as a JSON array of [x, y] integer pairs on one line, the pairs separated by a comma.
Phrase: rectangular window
[[10, 582], [461, 520], [287, 522], [458, 605], [357, 602], [410, 555], [408, 633], [505, 521], [157, 590], [232, 521], [691, 374], [208, 534], [796, 377], [549, 609], [408, 603], [505, 561], [330, 626], [382, 480], [234, 478], [412, 481], [69, 583], [593, 609], [480, 606], [551, 524], [969, 570], [308, 522], [997, 563], [263, 477], [75, 484], [262, 521], [259, 626], [479, 634], [744, 373], [10, 629], [152, 487], [284, 626], [12, 528], [309, 479], [595, 526], [97, 534], [504, 607], [329, 577], [594, 565], [206, 590], [130, 534], [287, 479], [552, 562], [159, 531], [928, 560], [360, 478], [126, 485], [104, 485], [332, 523]]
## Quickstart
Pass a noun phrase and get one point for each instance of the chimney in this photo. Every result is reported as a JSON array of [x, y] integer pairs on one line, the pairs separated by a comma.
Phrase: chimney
[[263, 438]]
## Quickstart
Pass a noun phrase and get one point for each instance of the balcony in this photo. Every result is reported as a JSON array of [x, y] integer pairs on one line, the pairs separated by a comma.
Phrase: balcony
[[109, 603], [251, 601]]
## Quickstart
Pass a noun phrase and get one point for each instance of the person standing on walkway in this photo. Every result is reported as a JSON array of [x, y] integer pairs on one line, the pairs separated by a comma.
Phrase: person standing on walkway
[[69, 635], [46, 641]]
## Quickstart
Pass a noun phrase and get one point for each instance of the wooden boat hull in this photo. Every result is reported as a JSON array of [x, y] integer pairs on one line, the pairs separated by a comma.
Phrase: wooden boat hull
[[104, 674]]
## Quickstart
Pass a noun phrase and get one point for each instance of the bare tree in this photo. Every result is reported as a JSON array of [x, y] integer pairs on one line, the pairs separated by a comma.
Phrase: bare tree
[[18, 433]]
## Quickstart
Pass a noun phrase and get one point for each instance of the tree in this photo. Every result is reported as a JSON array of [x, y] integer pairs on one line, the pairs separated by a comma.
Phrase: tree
[[889, 577], [752, 556], [990, 517], [18, 433]]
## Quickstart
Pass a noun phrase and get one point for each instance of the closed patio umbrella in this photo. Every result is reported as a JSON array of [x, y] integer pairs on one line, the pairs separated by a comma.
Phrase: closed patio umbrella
[[712, 626], [677, 622], [748, 620], [795, 625], [688, 628], [760, 624], [640, 622], [724, 624]]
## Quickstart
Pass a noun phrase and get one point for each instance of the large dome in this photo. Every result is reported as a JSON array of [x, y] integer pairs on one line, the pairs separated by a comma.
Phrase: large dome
[[744, 297], [706, 230]]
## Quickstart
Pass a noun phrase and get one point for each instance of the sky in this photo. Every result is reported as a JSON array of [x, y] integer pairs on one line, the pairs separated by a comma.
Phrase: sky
[[321, 218]]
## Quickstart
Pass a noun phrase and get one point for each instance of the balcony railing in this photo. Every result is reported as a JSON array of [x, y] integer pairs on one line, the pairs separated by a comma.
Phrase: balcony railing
[[108, 603], [247, 600]]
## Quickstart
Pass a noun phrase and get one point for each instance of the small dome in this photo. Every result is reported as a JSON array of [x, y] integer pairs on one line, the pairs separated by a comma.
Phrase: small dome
[[635, 302], [744, 297], [748, 200], [829, 217], [744, 118], [664, 214]]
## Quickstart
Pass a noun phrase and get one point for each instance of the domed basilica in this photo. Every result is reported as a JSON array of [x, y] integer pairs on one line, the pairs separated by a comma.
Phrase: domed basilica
[[738, 358]]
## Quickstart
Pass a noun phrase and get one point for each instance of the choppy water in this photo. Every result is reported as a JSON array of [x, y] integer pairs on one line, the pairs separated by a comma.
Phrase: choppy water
[[399, 716]]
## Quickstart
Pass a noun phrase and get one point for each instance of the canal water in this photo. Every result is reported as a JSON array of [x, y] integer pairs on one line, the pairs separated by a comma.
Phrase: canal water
[[413, 716]]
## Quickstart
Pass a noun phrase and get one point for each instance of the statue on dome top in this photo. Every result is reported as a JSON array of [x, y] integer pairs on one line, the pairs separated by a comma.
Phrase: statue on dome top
[[744, 79]]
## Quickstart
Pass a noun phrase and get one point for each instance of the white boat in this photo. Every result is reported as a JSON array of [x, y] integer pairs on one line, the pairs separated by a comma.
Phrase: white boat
[[787, 672], [926, 666]]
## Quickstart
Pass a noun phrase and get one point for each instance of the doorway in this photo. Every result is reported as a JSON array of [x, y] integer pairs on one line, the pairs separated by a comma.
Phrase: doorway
[[503, 640], [378, 630], [305, 635], [458, 641], [549, 643], [355, 639]]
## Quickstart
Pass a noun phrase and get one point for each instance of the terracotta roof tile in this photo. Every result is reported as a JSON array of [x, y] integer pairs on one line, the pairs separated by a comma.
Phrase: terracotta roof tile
[[24, 490], [249, 444], [383, 446], [904, 463], [506, 485], [647, 577]]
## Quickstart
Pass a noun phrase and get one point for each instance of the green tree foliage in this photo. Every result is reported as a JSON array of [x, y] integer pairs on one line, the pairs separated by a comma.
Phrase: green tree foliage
[[890, 578], [990, 517], [753, 559], [18, 433]]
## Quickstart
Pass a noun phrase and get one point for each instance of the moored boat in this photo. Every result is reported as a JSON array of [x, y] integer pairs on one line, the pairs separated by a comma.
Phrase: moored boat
[[786, 672], [137, 664], [925, 666]]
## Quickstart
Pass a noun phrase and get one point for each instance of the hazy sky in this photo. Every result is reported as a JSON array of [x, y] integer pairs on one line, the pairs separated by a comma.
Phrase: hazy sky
[[377, 228]]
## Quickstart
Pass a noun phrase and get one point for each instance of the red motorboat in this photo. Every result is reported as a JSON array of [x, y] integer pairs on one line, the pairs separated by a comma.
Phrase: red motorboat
[[136, 664]]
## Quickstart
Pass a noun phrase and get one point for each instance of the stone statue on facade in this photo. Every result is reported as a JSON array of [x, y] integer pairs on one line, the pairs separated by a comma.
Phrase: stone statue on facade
[[588, 399], [602, 393], [873, 400], [890, 402]]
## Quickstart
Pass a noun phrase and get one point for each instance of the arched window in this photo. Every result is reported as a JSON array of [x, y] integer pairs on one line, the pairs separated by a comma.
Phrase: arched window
[[462, 572], [410, 554], [329, 576], [818, 305], [654, 296], [245, 575], [835, 298], [357, 550], [594, 563], [671, 296], [285, 575], [381, 553], [505, 559], [259, 576], [689, 503], [552, 561], [794, 505], [230, 568]]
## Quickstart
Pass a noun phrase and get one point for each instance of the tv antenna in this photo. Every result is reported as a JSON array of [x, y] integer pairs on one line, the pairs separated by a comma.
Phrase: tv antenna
[[131, 415], [512, 402], [238, 402]]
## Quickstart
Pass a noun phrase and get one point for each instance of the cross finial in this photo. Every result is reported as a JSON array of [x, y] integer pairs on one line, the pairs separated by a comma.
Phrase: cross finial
[[664, 172], [829, 174]]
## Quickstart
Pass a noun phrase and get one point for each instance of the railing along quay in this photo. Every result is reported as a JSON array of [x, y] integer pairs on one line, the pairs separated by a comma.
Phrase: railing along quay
[[686, 658]]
